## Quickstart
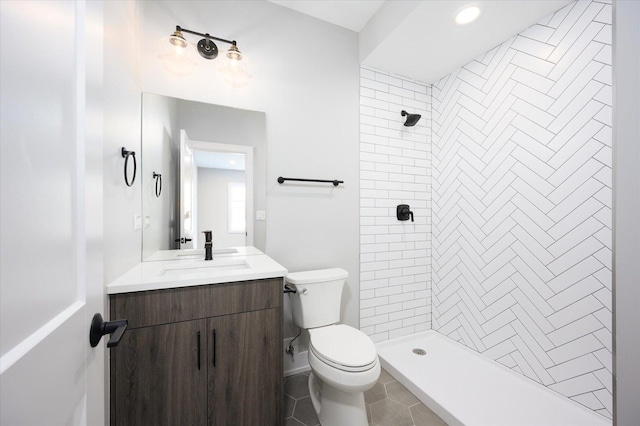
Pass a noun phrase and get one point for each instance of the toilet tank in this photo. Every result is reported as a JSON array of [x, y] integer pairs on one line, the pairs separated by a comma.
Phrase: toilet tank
[[316, 302]]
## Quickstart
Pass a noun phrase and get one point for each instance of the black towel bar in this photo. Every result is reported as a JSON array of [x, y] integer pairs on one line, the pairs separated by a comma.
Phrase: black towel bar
[[335, 182]]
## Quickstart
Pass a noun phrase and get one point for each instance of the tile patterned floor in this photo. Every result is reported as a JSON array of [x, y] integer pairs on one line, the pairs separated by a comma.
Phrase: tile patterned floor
[[388, 404]]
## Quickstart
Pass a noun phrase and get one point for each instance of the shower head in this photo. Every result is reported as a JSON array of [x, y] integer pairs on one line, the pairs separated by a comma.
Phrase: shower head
[[412, 119]]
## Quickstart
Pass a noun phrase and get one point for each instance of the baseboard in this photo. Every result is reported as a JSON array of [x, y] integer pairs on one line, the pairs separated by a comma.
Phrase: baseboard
[[297, 370], [299, 363]]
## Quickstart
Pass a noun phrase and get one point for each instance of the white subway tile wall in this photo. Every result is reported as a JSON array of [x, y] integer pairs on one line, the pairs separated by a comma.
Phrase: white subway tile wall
[[522, 204], [395, 168]]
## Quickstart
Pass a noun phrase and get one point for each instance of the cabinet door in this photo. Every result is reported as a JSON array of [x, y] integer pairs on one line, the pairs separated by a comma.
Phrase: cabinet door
[[156, 376], [245, 384]]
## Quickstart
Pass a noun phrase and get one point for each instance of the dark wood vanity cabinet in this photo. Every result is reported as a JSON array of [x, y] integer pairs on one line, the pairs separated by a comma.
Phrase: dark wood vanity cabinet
[[204, 355], [155, 378]]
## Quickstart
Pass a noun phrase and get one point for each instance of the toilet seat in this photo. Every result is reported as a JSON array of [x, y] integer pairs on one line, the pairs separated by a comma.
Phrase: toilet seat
[[343, 347]]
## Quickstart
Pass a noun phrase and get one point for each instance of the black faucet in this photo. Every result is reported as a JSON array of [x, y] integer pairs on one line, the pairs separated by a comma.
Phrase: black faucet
[[208, 245]]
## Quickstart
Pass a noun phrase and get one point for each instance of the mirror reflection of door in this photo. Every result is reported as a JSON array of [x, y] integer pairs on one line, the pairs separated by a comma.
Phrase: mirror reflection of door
[[218, 194], [188, 191]]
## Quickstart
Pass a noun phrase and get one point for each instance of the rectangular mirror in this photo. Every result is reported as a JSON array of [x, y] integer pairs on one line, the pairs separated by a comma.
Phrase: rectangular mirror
[[203, 167]]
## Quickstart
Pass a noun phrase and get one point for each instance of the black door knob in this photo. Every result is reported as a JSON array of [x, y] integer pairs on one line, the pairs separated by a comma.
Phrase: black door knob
[[99, 328]]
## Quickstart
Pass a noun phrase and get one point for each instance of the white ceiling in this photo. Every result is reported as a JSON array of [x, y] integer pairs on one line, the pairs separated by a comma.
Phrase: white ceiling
[[219, 160], [349, 14], [424, 43]]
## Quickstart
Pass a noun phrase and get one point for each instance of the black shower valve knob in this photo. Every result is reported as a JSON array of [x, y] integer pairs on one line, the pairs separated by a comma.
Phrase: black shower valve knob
[[403, 212]]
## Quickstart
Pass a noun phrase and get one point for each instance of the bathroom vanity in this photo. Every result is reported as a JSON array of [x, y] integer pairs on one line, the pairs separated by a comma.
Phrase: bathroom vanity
[[203, 347]]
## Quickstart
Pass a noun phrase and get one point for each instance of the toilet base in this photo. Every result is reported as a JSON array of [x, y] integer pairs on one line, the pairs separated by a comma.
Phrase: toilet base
[[335, 407]]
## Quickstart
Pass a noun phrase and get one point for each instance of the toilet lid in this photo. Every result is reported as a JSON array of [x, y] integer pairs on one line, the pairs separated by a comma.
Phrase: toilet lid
[[342, 345]]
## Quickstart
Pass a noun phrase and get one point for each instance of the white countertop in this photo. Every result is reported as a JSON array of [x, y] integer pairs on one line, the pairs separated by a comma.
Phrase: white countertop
[[184, 273]]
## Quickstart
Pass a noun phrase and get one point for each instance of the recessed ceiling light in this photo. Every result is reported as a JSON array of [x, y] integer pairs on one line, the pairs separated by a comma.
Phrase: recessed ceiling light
[[467, 14]]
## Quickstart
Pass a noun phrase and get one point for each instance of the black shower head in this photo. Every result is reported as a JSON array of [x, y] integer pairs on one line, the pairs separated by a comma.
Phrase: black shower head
[[412, 119]]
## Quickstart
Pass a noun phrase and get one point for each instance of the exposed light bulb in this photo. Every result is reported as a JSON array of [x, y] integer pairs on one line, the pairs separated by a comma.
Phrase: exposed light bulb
[[467, 15], [177, 55], [234, 71], [233, 53], [177, 39]]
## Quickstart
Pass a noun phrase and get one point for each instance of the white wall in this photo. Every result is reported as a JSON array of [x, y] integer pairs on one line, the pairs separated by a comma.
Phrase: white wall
[[305, 78], [522, 204], [121, 128], [161, 143], [213, 208], [395, 168], [626, 184]]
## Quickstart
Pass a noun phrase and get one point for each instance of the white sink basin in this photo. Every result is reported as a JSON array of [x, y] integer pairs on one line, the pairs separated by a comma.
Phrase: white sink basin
[[204, 267]]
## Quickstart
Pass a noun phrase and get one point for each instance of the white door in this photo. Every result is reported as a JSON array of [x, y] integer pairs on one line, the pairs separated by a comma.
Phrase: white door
[[51, 212], [187, 196]]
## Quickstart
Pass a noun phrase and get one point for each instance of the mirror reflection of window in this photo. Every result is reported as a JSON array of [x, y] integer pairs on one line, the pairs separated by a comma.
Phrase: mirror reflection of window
[[237, 208]]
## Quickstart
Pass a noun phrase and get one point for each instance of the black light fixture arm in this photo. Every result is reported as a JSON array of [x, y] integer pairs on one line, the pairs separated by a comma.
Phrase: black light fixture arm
[[179, 28]]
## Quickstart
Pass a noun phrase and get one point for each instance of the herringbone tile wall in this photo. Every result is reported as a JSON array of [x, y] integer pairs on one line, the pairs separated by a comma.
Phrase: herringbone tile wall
[[395, 168], [521, 251]]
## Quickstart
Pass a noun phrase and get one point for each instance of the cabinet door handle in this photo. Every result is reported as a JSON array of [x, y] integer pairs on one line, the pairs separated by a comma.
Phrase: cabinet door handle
[[214, 347], [199, 350]]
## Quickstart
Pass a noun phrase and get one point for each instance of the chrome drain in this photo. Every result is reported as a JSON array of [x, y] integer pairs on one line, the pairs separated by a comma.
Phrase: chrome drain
[[419, 351]]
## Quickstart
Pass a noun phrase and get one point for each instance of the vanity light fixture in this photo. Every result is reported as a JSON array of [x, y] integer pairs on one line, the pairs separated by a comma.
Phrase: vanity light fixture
[[206, 46], [467, 14], [233, 72]]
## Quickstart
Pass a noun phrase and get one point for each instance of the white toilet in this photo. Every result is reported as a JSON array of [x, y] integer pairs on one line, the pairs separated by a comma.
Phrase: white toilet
[[343, 359]]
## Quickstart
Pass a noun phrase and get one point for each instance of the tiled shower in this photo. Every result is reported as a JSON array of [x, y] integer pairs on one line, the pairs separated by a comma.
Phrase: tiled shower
[[509, 177], [395, 168]]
